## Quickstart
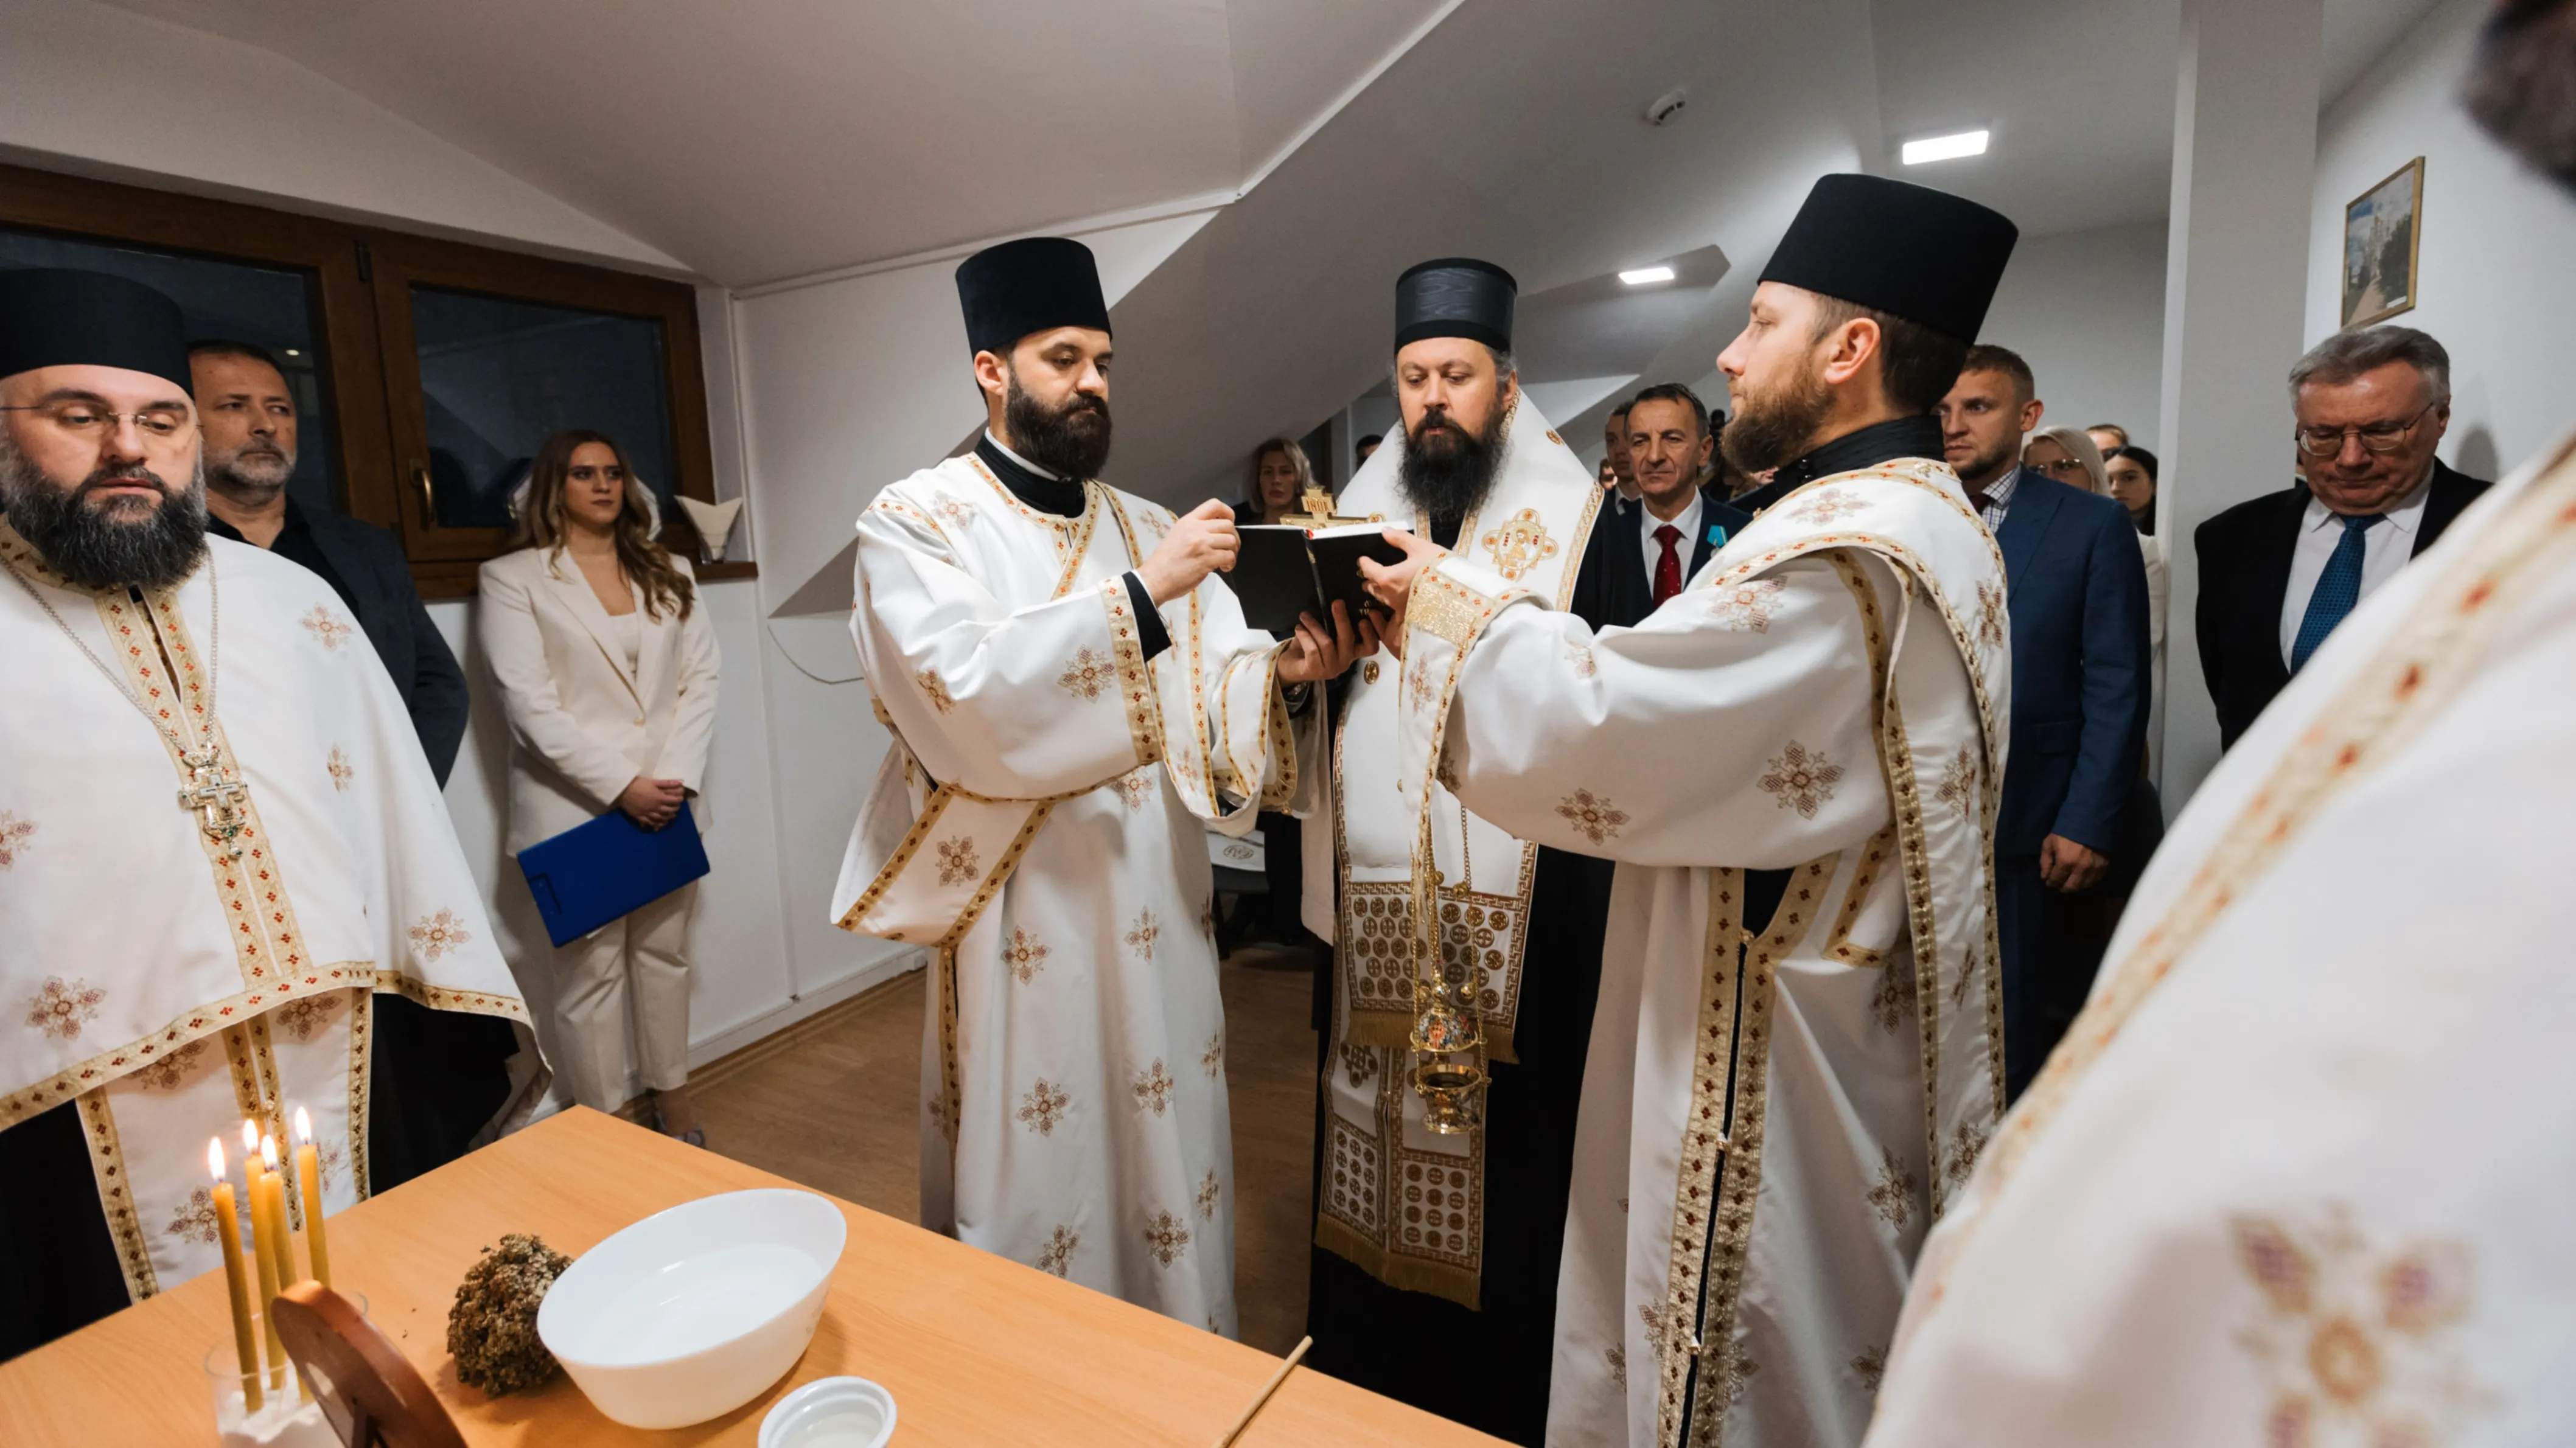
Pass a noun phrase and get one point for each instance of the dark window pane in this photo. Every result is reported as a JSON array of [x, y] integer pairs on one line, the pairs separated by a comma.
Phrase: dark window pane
[[268, 305], [499, 377]]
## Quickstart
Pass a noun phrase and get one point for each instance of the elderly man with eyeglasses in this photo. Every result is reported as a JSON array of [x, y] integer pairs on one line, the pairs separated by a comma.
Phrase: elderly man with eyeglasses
[[2277, 573]]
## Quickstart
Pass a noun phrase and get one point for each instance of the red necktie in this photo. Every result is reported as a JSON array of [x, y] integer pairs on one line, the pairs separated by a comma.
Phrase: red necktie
[[1668, 569]]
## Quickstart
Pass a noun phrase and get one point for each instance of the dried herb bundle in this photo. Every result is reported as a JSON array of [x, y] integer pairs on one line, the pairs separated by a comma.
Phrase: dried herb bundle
[[492, 1329]]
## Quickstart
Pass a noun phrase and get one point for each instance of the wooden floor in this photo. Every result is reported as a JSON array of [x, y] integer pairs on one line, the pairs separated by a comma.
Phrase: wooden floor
[[835, 1103]]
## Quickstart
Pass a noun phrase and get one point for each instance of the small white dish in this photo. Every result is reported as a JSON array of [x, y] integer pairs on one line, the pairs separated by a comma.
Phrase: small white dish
[[831, 1413], [693, 1312]]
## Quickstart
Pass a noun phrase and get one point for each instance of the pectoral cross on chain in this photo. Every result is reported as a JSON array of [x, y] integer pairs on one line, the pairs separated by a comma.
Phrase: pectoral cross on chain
[[215, 795]]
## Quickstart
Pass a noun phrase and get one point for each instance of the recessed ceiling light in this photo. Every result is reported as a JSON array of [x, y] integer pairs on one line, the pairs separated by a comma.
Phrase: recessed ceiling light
[[291, 352], [1644, 274], [1945, 148]]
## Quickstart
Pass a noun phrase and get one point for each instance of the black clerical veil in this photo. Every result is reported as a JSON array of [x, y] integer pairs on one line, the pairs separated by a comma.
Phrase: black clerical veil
[[1891, 246], [1456, 296], [1035, 284], [58, 317]]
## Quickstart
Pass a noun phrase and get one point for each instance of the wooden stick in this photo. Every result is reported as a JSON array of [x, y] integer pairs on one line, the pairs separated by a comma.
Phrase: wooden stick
[[1267, 1389]]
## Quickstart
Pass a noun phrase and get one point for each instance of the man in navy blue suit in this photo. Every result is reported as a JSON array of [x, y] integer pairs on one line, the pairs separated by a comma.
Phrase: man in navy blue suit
[[2081, 675], [1681, 516]]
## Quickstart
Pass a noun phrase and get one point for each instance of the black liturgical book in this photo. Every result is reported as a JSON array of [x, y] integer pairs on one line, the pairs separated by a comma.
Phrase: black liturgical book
[[1282, 571]]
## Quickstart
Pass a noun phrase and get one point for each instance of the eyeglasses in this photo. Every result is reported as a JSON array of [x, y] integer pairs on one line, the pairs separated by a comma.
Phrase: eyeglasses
[[2378, 437], [2063, 468], [89, 422]]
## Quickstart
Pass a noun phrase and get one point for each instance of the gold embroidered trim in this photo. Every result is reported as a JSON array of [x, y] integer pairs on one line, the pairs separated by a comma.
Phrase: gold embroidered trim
[[1445, 608], [110, 1065], [1135, 678], [115, 1196], [1706, 1278], [1873, 855], [362, 1049]]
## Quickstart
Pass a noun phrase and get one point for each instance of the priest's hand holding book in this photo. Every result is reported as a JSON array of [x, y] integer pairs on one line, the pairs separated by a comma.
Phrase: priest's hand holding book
[[1391, 584], [1205, 540]]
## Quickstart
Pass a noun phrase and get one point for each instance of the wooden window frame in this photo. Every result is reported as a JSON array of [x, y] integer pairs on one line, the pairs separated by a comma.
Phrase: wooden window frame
[[363, 323]]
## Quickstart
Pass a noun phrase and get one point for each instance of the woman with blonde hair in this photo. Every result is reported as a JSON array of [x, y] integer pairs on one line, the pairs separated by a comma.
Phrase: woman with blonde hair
[[1280, 476], [607, 669]]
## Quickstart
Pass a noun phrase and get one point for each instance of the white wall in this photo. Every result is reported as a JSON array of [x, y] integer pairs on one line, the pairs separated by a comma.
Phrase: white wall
[[2494, 243], [2086, 309], [96, 89]]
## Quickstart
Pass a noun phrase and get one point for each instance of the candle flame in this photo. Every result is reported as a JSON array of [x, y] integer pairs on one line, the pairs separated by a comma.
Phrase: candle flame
[[250, 1138], [215, 1157], [303, 1125], [268, 1151]]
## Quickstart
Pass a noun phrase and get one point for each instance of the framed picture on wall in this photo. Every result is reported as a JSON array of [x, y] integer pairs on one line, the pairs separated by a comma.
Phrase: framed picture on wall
[[2381, 227]]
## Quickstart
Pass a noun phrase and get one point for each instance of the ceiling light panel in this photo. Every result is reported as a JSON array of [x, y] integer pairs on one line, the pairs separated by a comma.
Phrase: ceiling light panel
[[1644, 275], [1945, 148]]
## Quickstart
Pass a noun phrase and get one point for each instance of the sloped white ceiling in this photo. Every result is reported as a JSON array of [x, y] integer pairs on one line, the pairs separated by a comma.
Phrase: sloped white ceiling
[[762, 139]]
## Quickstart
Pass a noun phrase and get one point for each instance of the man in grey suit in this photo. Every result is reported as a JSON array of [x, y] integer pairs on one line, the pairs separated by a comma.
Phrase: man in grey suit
[[246, 413]]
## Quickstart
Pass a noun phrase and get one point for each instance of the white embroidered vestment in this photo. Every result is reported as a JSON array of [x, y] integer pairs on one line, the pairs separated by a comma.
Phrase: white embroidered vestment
[[1770, 1122], [1037, 826], [169, 986], [2290, 1177]]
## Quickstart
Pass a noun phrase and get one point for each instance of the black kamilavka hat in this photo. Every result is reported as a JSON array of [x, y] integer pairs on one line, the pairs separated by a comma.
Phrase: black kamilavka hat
[[58, 317], [1456, 296], [1035, 284], [1924, 255]]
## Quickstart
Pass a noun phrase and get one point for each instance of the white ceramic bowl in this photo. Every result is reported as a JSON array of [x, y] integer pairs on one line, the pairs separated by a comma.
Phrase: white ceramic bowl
[[831, 1413], [693, 1312]]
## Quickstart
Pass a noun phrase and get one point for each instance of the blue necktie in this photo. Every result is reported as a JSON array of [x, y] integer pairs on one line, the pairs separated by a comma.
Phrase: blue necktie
[[2338, 590]]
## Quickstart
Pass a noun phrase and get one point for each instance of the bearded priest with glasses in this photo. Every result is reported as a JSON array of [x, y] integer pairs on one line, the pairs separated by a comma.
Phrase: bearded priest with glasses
[[1071, 693], [231, 887]]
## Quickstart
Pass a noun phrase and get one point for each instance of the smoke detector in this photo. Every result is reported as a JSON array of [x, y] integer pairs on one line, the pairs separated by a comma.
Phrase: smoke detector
[[1661, 110]]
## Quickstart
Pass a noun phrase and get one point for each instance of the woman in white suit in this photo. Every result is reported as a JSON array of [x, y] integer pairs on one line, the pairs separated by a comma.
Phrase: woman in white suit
[[608, 669]]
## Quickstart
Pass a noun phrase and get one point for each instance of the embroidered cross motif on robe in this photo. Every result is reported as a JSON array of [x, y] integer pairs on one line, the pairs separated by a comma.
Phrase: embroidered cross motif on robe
[[1024, 955], [1592, 816], [1043, 1107], [14, 834], [1165, 1236], [957, 862], [61, 1007], [1801, 780], [436, 935], [1520, 543]]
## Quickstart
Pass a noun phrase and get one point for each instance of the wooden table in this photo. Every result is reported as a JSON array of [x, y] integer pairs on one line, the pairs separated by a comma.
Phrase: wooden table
[[975, 1349]]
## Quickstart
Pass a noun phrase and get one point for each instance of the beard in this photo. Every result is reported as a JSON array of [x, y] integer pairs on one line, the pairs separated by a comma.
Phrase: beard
[[1071, 441], [253, 470], [1445, 470], [2521, 84], [103, 544], [1776, 427]]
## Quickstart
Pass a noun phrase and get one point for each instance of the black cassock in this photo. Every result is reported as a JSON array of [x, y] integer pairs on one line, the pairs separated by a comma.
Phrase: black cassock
[[437, 1078], [1488, 1368]]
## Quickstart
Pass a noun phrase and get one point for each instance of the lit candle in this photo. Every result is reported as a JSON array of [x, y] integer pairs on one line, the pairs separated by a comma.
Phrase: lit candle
[[236, 1280], [308, 1176], [263, 1245]]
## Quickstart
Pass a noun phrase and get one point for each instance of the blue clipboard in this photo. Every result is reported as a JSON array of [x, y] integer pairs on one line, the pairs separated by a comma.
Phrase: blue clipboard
[[593, 873]]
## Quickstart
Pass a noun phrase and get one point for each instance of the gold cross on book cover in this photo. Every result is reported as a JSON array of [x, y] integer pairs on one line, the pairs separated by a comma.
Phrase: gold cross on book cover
[[1318, 505]]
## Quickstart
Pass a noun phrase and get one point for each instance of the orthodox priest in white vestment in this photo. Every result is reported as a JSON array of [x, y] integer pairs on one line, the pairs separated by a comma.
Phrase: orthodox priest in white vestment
[[2297, 1176], [1774, 1108], [1070, 693], [1435, 1264], [231, 886]]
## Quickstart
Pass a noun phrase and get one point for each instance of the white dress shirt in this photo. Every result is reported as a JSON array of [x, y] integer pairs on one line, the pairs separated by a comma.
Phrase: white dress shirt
[[1653, 550], [2385, 548]]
